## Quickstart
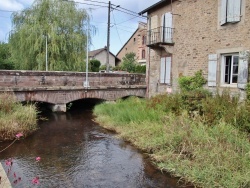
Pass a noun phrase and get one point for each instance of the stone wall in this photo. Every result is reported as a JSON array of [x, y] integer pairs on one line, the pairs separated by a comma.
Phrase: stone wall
[[25, 79], [197, 33]]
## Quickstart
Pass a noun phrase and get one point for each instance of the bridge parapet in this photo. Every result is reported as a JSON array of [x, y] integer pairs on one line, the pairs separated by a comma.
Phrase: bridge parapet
[[61, 88], [68, 79]]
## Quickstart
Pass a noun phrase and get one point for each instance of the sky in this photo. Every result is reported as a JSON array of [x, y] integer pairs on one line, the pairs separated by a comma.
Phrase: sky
[[123, 25]]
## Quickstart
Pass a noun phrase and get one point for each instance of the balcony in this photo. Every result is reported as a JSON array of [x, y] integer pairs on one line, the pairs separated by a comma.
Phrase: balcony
[[160, 36]]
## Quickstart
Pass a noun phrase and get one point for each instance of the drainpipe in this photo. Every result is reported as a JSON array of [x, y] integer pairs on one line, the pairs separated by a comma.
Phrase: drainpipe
[[148, 72]]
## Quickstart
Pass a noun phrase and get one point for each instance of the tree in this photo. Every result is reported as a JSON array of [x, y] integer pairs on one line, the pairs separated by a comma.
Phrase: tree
[[129, 62], [5, 62], [62, 23], [95, 65]]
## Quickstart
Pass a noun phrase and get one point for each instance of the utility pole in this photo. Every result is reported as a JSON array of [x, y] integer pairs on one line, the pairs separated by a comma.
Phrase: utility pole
[[108, 39]]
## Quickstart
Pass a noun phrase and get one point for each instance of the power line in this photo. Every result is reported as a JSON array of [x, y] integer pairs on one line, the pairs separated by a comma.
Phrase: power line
[[85, 3], [125, 12], [116, 28], [128, 19], [128, 10], [117, 7], [96, 2]]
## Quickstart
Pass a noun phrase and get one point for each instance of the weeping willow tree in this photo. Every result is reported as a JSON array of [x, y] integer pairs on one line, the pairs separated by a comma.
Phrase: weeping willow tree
[[62, 23]]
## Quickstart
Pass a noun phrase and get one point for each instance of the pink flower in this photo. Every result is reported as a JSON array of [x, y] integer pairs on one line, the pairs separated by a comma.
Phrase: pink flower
[[8, 162], [38, 159], [19, 135], [35, 180]]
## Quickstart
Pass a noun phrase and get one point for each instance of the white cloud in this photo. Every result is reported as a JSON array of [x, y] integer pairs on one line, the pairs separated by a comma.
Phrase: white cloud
[[12, 5], [26, 2]]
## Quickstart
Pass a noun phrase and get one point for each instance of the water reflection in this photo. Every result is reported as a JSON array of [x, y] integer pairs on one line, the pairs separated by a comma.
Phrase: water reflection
[[76, 152]]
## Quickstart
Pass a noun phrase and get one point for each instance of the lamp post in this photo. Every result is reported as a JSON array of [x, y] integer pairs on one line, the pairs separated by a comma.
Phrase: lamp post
[[86, 83], [46, 56]]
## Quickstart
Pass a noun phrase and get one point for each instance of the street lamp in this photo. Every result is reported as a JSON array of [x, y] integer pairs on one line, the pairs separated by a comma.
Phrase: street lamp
[[46, 56], [86, 83]]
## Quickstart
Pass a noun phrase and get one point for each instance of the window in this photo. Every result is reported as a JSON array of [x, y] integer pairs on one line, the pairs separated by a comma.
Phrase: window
[[234, 69], [134, 40], [165, 70], [230, 11], [230, 66], [143, 54]]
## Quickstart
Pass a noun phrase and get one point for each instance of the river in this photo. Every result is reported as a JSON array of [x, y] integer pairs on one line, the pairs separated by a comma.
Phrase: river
[[77, 152]]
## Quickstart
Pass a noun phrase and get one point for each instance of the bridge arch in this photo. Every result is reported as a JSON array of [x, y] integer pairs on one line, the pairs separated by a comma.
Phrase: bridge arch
[[60, 98]]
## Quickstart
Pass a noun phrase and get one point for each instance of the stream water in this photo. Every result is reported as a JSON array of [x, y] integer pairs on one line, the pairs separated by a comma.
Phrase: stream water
[[77, 152]]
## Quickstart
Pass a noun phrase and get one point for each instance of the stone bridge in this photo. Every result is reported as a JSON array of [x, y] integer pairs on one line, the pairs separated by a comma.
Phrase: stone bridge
[[59, 88]]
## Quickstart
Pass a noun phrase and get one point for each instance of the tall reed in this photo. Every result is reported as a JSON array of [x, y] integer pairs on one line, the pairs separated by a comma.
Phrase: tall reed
[[186, 146], [15, 118]]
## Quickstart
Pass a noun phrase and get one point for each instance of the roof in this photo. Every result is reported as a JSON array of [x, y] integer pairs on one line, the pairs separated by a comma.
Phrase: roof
[[131, 37], [95, 52], [160, 3]]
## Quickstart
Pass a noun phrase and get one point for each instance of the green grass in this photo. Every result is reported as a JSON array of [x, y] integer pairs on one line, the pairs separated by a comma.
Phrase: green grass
[[16, 118], [208, 156]]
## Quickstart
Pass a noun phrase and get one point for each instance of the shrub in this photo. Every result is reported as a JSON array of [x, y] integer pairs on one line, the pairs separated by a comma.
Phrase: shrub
[[95, 65], [167, 103], [189, 83], [248, 92], [140, 69], [226, 108]]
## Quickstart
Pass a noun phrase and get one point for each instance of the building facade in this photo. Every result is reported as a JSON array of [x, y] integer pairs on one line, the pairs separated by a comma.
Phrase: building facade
[[101, 55], [191, 35], [136, 44]]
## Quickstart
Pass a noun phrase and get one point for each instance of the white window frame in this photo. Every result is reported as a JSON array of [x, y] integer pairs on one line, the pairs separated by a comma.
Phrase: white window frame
[[223, 61]]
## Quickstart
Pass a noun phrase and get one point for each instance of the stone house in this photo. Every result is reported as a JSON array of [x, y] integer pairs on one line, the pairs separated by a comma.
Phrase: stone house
[[184, 36], [136, 44], [101, 55]]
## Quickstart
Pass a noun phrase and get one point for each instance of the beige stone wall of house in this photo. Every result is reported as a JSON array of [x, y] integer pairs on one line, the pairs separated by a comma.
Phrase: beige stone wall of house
[[102, 56], [197, 33], [136, 45]]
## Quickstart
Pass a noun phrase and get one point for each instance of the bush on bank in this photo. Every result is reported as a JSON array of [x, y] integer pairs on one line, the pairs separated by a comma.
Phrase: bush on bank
[[16, 118], [205, 146]]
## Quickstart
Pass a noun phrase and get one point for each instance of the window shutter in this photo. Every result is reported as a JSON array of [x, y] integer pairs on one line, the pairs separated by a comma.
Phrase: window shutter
[[223, 12], [162, 70], [149, 31], [168, 27], [162, 27], [230, 10], [212, 69], [154, 31], [149, 23], [168, 70], [236, 10], [243, 69]]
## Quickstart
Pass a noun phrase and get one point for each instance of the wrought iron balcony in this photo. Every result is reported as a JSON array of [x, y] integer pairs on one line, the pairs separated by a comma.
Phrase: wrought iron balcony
[[160, 36]]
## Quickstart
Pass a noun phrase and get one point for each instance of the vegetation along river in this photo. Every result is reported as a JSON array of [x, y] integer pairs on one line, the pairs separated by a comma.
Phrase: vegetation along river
[[74, 152]]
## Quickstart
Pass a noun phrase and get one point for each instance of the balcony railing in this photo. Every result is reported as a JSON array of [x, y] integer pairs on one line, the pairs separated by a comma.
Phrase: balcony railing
[[160, 35]]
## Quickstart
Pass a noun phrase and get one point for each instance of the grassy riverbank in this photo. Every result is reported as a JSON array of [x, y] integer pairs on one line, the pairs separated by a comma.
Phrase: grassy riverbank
[[16, 118], [204, 148]]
